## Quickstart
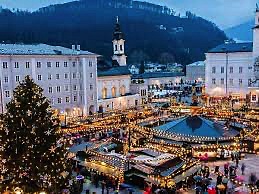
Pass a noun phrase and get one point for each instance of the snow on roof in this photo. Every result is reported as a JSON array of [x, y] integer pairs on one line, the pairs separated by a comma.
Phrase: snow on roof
[[198, 63], [39, 49]]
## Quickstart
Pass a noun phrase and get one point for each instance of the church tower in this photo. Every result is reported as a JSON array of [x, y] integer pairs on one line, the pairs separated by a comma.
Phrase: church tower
[[118, 45]]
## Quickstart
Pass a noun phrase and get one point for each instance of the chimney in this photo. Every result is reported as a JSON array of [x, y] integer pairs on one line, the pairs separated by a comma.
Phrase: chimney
[[73, 47], [78, 48]]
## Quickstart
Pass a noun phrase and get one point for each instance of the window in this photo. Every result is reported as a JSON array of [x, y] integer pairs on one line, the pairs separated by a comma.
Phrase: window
[[231, 82], [250, 67], [39, 77], [66, 88], [5, 66], [121, 48], [91, 75], [65, 64], [75, 98], [92, 97], [253, 98], [67, 99], [6, 79], [222, 70], [49, 64], [240, 69], [58, 88], [49, 76], [231, 70], [50, 90], [104, 93], [91, 86], [74, 64], [27, 65], [74, 87], [52, 101], [249, 82], [240, 82], [213, 69], [17, 78], [222, 81], [213, 81], [116, 47], [74, 75], [59, 100], [113, 92], [16, 65], [90, 63], [57, 76], [7, 94], [38, 64], [66, 76], [57, 64]]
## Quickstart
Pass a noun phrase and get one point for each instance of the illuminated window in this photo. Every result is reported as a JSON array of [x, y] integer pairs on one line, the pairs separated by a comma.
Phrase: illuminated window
[[122, 90], [113, 92], [104, 93]]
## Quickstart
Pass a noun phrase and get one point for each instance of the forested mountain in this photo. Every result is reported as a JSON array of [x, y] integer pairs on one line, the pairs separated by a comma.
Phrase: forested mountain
[[243, 32], [150, 30]]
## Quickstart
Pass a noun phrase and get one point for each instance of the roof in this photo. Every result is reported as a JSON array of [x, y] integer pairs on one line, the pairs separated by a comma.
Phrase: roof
[[198, 63], [148, 75], [38, 49], [114, 71], [233, 47]]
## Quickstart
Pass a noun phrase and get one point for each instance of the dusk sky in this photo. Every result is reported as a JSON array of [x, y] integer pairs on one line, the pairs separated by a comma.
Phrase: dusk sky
[[225, 13]]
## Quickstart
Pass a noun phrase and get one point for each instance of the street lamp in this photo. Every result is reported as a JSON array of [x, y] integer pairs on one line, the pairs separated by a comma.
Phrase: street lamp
[[42, 192]]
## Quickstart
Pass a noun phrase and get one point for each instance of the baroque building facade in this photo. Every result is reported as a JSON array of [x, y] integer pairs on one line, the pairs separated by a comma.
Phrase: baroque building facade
[[114, 91], [232, 69], [67, 76]]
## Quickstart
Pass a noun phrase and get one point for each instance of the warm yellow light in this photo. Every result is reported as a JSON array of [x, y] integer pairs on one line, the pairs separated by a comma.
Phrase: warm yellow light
[[42, 192]]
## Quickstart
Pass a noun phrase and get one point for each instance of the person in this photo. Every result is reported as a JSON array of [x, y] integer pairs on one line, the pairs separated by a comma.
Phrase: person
[[232, 156], [243, 168], [237, 161], [103, 186], [226, 171], [252, 179]]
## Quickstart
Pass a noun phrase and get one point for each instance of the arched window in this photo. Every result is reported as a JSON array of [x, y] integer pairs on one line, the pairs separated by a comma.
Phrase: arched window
[[116, 47], [121, 48], [122, 90], [104, 93], [113, 92]]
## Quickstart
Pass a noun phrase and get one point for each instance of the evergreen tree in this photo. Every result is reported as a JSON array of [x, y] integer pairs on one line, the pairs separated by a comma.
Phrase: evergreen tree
[[142, 67], [32, 156]]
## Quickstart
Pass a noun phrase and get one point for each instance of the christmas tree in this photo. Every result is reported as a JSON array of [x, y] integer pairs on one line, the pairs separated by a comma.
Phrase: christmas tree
[[32, 155]]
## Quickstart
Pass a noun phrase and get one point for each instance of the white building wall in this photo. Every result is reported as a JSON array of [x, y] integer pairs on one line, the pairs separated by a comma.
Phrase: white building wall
[[117, 102], [195, 73], [223, 81], [71, 87]]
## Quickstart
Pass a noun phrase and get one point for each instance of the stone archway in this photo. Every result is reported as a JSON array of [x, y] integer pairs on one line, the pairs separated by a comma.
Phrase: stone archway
[[100, 110]]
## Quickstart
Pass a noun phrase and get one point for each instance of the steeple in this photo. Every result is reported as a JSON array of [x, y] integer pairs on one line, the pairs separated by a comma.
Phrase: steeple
[[118, 45], [117, 34]]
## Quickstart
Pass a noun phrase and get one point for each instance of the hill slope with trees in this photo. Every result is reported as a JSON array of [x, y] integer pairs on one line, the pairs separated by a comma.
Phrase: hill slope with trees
[[150, 30]]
